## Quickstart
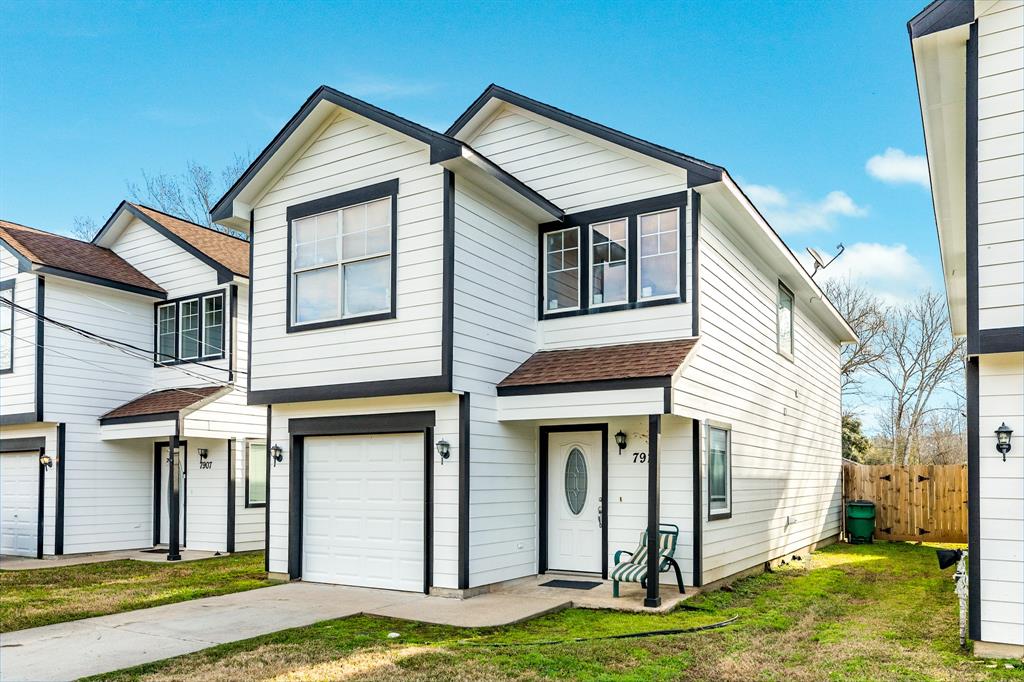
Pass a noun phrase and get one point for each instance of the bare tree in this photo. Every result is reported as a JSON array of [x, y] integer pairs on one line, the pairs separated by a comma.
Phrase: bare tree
[[866, 315], [83, 227], [189, 195], [918, 356]]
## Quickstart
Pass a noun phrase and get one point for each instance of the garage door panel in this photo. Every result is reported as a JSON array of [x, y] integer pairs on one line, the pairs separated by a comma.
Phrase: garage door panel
[[19, 503], [363, 511]]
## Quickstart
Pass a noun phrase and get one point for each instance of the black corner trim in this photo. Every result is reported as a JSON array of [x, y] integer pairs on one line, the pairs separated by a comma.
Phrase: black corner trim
[[100, 281], [22, 444], [41, 508], [939, 16], [362, 389], [1003, 340], [586, 386], [971, 188], [465, 418], [266, 511], [698, 515], [140, 418], [695, 263], [653, 598], [58, 528], [232, 502], [973, 502], [698, 172], [252, 287], [40, 345], [157, 491], [350, 425], [442, 147], [448, 281]]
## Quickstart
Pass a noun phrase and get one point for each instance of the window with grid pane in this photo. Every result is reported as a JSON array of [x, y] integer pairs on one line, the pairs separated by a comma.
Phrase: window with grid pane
[[609, 244], [562, 269], [341, 262], [189, 335], [659, 254], [6, 330], [213, 325], [165, 333]]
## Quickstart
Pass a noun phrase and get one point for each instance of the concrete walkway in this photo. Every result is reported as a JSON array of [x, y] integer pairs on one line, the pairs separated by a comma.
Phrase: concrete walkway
[[67, 651], [21, 563]]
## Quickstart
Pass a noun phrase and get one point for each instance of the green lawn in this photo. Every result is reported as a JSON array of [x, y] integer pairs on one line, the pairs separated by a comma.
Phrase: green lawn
[[876, 612], [53, 595]]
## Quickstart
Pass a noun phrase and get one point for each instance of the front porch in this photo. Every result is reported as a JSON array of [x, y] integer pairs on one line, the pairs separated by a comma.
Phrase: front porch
[[631, 595]]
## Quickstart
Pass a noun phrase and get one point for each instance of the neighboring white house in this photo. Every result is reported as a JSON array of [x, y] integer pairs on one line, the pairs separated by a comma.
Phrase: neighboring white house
[[514, 294], [113, 353], [969, 59]]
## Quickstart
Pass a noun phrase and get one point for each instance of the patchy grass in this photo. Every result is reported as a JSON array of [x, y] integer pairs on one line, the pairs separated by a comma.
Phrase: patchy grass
[[874, 612], [43, 596]]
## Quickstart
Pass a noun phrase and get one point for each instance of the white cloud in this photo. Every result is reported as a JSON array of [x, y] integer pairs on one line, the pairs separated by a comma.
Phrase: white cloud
[[897, 167], [889, 271], [789, 215]]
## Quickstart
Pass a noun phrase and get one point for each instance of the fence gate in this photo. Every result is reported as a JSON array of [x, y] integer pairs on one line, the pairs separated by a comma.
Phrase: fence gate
[[926, 502]]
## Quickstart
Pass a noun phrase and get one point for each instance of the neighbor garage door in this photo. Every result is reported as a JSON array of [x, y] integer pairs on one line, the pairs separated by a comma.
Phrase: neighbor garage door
[[363, 511], [19, 498]]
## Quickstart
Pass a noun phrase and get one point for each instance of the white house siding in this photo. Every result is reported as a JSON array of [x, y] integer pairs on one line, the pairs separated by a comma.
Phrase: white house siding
[[572, 169], [1001, 164], [18, 388], [172, 267], [49, 432], [349, 153], [446, 476], [1001, 505], [785, 416], [250, 522], [108, 484]]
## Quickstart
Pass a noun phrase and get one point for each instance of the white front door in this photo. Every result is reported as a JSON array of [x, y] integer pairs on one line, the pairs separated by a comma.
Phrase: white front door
[[574, 501], [362, 511], [165, 473], [19, 502]]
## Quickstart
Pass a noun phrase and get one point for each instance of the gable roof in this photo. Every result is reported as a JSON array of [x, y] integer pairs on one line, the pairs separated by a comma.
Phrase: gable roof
[[55, 254], [162, 404], [624, 362], [228, 255], [233, 208], [699, 172], [939, 16]]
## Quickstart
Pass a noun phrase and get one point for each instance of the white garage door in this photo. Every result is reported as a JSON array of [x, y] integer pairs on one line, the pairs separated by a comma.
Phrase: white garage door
[[19, 502], [363, 511]]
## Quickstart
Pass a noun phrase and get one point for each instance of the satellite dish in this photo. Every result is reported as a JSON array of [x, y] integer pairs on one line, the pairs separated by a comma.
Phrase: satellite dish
[[820, 262]]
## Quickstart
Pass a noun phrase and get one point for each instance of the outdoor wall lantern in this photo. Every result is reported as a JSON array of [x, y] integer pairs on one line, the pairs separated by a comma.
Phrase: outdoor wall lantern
[[1003, 434], [45, 460], [277, 454], [444, 449], [203, 453], [620, 440]]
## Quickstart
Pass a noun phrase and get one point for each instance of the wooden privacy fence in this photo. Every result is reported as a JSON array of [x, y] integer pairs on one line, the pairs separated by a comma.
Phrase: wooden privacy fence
[[918, 502]]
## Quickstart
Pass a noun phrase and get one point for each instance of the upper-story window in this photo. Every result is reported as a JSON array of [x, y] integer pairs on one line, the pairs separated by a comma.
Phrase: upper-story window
[[7, 328], [341, 260], [785, 321], [190, 329], [626, 256]]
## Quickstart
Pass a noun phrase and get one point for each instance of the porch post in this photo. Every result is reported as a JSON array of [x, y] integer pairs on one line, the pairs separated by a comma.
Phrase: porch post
[[653, 511], [173, 499]]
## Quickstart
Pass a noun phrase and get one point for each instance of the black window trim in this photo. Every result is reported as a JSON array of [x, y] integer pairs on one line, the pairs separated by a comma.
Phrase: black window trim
[[8, 285], [176, 302], [266, 454], [791, 355], [334, 202], [726, 513], [202, 324], [631, 211]]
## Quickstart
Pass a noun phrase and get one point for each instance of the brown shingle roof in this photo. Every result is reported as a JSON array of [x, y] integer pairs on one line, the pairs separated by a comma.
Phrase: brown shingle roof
[[231, 252], [159, 402], [54, 250], [601, 363]]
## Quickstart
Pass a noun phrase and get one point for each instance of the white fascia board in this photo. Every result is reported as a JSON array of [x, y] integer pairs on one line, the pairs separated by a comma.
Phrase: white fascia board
[[156, 429], [628, 402], [939, 63], [481, 172]]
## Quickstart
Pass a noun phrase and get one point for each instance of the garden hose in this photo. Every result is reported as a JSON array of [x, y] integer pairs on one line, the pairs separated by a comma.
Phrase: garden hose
[[631, 635]]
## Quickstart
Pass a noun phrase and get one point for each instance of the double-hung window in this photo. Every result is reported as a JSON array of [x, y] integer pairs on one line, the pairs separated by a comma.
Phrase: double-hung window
[[659, 254], [609, 244], [190, 329], [6, 329], [256, 475], [719, 473], [342, 264], [562, 269], [785, 321]]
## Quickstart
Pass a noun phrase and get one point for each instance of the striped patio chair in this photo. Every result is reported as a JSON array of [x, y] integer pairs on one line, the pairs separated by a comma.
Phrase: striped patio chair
[[634, 570]]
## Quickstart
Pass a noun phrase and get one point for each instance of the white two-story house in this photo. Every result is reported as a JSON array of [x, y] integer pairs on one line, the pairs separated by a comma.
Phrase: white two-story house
[[511, 348], [123, 420], [969, 62]]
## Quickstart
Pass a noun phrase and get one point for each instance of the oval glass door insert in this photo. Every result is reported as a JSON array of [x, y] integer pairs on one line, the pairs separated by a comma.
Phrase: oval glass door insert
[[576, 481]]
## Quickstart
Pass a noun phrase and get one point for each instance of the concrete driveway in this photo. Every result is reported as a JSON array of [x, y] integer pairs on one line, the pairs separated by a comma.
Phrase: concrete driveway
[[67, 651]]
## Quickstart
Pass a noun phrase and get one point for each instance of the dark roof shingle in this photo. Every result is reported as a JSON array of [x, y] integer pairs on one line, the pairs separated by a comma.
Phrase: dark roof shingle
[[159, 402], [231, 252], [72, 255], [601, 363]]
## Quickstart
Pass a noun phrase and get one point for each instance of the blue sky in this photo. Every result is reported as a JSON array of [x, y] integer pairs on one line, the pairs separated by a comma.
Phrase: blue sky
[[794, 98]]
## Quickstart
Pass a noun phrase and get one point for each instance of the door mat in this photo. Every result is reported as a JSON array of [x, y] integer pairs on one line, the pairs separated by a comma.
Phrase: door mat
[[571, 584]]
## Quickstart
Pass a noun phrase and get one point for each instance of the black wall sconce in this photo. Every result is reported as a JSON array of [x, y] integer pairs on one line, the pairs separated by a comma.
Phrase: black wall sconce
[[620, 440], [1003, 434], [444, 449], [277, 454], [203, 453], [45, 460]]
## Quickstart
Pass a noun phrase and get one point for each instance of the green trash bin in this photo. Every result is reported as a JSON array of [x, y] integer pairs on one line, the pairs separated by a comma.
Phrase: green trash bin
[[860, 521]]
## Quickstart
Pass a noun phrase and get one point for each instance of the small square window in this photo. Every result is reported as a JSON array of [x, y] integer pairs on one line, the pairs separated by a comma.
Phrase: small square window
[[719, 473]]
